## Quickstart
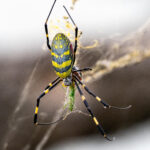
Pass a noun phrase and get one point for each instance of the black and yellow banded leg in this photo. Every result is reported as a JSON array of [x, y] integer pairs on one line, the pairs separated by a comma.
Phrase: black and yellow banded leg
[[84, 69], [76, 33], [46, 28], [39, 98], [76, 40], [51, 83], [99, 99], [100, 128]]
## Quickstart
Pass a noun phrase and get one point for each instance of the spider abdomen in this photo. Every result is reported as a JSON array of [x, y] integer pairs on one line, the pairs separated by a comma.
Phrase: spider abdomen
[[62, 55]]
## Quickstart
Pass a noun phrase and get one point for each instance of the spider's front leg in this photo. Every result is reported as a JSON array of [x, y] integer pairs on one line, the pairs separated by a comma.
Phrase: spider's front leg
[[46, 28], [82, 70], [76, 33]]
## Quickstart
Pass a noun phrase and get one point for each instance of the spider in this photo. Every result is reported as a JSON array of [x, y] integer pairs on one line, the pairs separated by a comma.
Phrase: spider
[[63, 59]]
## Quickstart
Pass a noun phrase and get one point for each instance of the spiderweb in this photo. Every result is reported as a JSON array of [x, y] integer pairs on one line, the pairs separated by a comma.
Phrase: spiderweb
[[119, 53], [114, 53]]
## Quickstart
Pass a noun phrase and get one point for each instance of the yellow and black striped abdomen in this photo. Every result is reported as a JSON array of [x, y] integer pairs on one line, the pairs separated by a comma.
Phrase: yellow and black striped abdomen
[[62, 55]]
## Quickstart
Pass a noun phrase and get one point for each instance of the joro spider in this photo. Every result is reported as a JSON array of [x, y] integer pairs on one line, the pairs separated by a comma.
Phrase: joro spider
[[63, 59]]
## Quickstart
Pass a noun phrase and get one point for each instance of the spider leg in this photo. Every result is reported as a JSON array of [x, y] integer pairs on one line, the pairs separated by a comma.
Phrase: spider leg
[[50, 84], [46, 28], [76, 44], [84, 69], [76, 33], [98, 98], [39, 98], [100, 128]]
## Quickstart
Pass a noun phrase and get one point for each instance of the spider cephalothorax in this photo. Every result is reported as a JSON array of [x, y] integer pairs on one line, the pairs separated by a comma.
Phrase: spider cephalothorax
[[68, 80], [63, 58]]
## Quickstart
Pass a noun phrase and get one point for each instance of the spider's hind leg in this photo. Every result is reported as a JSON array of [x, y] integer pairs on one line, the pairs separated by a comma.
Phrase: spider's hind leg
[[51, 83], [98, 98], [39, 98], [100, 128]]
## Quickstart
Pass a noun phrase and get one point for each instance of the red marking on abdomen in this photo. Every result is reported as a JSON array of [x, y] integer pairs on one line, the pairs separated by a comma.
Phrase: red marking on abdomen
[[71, 48]]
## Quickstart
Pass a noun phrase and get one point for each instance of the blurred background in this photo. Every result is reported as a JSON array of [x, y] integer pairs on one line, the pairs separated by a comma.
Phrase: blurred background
[[114, 42]]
